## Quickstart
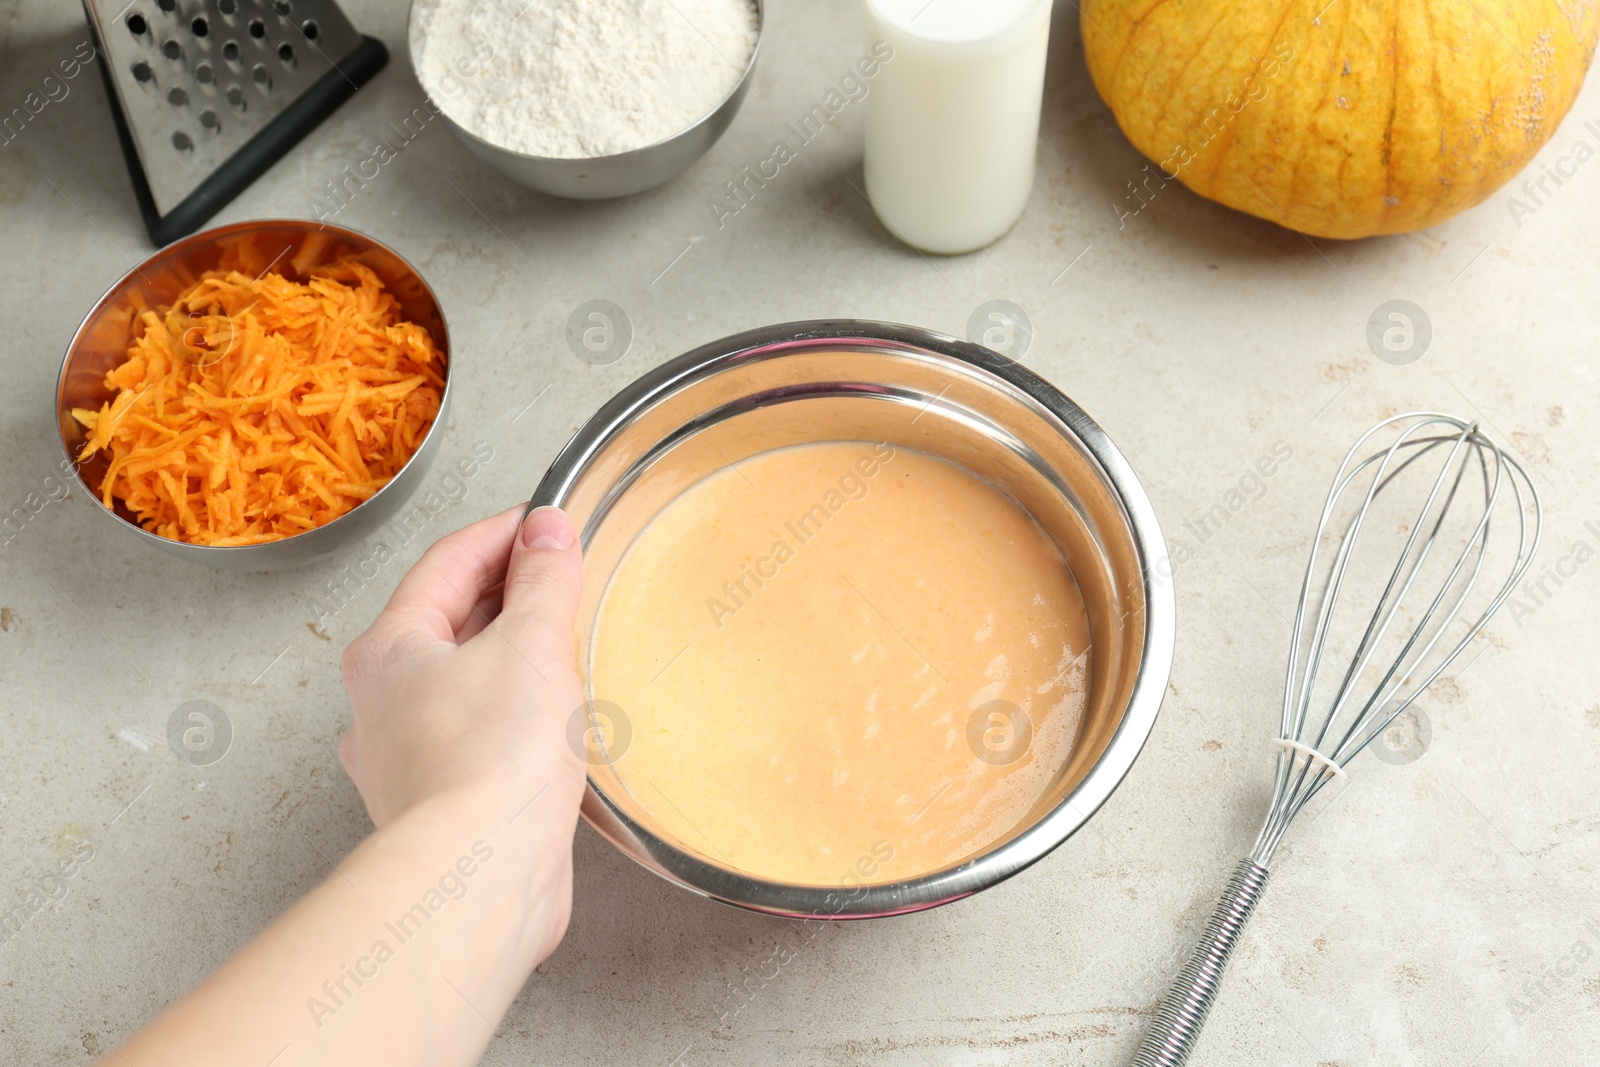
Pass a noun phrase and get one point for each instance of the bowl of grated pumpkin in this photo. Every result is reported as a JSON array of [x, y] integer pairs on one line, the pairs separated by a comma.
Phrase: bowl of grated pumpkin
[[255, 396]]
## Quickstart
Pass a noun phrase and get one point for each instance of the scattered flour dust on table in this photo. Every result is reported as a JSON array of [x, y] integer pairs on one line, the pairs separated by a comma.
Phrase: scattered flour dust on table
[[573, 79]]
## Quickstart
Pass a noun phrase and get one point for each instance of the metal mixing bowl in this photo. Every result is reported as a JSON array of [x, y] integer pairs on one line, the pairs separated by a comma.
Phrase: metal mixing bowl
[[102, 342], [605, 177], [866, 381]]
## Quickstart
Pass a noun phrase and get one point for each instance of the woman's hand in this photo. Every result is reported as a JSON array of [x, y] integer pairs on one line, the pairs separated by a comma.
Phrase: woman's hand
[[465, 683], [418, 941], [464, 687]]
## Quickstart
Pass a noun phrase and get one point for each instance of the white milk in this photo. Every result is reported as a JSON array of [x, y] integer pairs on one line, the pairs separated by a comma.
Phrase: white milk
[[952, 125]]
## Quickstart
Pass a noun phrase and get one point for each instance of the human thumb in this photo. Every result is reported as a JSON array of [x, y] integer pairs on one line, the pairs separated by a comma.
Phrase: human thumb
[[543, 580]]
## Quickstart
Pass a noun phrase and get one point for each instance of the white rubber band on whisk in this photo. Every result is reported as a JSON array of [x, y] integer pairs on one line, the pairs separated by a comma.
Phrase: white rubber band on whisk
[[1311, 754]]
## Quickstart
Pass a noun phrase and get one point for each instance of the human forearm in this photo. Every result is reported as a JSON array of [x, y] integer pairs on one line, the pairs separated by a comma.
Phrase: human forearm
[[407, 954]]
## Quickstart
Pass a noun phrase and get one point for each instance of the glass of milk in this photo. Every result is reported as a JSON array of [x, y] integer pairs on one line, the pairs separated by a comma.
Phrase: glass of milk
[[952, 125]]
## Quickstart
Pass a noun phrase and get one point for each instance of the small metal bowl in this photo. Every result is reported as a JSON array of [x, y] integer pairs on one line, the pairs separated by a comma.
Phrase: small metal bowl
[[102, 341], [866, 381], [606, 177]]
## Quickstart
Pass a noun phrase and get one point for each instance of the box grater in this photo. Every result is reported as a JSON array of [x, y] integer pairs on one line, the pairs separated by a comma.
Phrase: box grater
[[207, 94]]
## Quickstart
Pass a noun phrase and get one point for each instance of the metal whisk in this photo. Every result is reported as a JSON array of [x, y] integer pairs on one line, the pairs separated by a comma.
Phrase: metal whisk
[[1434, 600]]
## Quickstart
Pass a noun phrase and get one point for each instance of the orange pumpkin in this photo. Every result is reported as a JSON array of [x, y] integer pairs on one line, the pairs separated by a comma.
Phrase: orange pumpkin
[[1342, 118]]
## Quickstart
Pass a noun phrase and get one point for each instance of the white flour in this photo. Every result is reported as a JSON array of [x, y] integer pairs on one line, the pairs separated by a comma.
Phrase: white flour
[[580, 78]]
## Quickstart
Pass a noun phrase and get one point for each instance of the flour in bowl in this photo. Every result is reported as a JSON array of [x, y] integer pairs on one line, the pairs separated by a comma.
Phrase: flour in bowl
[[574, 79]]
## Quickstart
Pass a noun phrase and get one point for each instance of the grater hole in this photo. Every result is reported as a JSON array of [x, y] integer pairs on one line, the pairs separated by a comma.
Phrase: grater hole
[[227, 7], [199, 27], [209, 120], [230, 51], [167, 5], [286, 53], [203, 74], [236, 97], [284, 7], [182, 142], [309, 28], [262, 76], [137, 24], [177, 97], [171, 49], [258, 29], [142, 71]]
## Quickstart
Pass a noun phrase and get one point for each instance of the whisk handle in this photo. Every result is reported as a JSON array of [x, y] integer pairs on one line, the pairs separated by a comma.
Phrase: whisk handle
[[1183, 1012]]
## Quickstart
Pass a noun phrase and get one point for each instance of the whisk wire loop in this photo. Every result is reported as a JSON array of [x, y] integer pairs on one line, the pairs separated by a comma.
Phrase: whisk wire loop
[[1388, 686]]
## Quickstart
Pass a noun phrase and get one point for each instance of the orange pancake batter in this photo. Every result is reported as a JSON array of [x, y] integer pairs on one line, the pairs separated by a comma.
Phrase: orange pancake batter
[[842, 662]]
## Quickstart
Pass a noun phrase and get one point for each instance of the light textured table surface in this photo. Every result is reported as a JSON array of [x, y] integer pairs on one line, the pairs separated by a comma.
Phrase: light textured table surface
[[1435, 913]]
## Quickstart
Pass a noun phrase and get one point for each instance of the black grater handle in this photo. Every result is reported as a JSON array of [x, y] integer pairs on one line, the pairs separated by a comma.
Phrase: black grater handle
[[269, 145]]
